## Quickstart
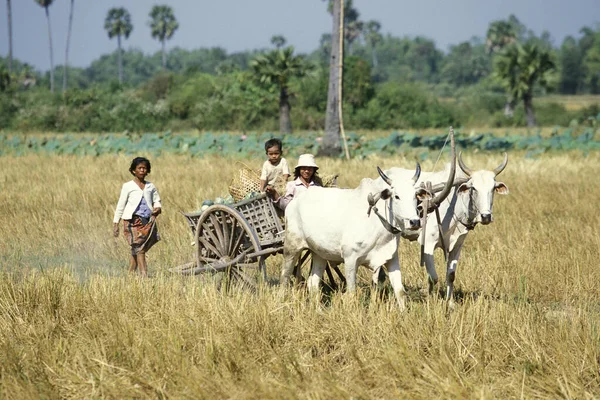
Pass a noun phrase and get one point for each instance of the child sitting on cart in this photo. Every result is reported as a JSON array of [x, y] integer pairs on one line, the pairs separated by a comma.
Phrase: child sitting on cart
[[275, 166]]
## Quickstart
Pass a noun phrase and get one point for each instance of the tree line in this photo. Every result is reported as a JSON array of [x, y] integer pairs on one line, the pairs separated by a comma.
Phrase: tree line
[[117, 24], [509, 66]]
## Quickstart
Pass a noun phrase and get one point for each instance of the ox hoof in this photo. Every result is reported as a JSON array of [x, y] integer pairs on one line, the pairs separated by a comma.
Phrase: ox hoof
[[451, 305], [402, 304]]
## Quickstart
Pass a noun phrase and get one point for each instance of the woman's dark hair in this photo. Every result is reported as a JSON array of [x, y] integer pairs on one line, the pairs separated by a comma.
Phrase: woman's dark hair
[[315, 177], [273, 142], [137, 161]]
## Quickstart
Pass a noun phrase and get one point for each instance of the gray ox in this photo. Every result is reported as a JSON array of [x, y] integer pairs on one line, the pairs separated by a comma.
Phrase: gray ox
[[335, 226], [469, 203]]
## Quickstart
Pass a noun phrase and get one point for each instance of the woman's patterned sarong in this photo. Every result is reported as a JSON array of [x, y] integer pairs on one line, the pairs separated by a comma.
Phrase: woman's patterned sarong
[[141, 233]]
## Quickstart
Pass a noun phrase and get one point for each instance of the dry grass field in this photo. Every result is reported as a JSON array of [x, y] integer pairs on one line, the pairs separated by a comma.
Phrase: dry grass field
[[73, 324]]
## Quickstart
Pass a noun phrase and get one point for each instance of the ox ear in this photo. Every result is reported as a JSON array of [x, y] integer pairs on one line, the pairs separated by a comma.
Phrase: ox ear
[[465, 187], [386, 194], [422, 194], [501, 188]]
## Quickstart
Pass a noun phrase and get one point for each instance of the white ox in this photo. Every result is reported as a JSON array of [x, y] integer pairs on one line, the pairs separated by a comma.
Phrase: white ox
[[470, 202], [334, 225]]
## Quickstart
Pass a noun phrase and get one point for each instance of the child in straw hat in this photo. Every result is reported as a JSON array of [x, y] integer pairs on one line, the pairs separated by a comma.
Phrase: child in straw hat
[[305, 175]]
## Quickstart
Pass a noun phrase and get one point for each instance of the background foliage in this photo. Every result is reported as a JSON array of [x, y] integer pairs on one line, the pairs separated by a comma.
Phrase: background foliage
[[390, 83]]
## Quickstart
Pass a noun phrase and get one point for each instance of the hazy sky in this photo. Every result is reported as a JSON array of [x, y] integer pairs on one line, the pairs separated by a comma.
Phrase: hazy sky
[[249, 24]]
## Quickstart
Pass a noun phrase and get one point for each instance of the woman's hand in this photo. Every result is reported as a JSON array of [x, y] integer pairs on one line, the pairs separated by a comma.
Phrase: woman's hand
[[156, 211], [116, 229]]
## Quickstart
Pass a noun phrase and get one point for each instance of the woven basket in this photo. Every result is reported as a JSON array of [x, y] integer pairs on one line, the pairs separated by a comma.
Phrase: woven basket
[[245, 181]]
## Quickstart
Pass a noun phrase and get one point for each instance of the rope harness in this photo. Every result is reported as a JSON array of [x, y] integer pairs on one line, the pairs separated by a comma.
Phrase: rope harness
[[389, 227], [426, 206], [470, 224]]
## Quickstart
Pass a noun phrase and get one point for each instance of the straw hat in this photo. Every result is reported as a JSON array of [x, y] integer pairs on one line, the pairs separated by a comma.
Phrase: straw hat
[[307, 160]]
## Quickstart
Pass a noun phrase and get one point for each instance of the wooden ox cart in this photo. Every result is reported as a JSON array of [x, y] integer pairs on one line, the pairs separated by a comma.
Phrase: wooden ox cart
[[235, 240]]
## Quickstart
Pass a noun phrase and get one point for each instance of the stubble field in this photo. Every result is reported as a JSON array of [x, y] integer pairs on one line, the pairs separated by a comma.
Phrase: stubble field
[[73, 324]]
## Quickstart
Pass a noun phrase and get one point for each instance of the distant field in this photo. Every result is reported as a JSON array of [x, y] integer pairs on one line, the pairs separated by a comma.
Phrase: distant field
[[571, 103], [74, 325]]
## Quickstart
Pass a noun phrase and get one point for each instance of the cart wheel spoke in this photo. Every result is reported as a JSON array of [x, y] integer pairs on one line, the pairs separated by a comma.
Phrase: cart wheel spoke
[[239, 236], [231, 235], [212, 239], [218, 227], [207, 244], [227, 223], [223, 238]]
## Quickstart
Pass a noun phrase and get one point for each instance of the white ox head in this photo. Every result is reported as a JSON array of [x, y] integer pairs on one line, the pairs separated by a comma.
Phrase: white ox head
[[403, 199], [480, 188]]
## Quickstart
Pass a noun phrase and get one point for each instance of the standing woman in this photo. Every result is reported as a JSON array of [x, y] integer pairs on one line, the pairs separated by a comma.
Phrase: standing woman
[[305, 175], [138, 206]]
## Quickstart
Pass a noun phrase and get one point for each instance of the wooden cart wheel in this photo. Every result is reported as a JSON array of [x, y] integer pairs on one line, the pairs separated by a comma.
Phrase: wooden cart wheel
[[223, 238], [305, 264]]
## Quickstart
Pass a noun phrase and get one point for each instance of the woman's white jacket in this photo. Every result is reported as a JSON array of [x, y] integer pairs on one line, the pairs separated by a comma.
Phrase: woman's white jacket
[[130, 198]]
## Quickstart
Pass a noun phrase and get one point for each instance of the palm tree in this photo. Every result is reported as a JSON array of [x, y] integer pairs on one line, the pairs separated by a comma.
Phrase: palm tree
[[352, 32], [278, 41], [118, 23], [373, 38], [279, 67], [67, 48], [353, 27], [331, 141], [10, 42], [46, 4], [163, 25], [499, 35], [519, 68]]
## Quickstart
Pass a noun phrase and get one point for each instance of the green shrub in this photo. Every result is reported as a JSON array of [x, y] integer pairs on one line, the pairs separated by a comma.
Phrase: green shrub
[[401, 106], [188, 92]]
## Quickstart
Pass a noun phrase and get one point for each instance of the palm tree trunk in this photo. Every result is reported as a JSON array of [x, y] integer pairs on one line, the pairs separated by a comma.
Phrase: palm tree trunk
[[67, 49], [374, 55], [285, 122], [164, 55], [120, 60], [331, 141], [51, 51], [528, 103], [10, 36], [509, 108]]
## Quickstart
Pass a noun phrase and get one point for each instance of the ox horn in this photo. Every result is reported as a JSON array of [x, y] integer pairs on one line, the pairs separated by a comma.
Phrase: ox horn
[[450, 182], [385, 178], [462, 165], [501, 167], [415, 178]]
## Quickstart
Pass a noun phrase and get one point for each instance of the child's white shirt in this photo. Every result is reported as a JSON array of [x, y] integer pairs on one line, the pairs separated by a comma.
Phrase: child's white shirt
[[271, 172]]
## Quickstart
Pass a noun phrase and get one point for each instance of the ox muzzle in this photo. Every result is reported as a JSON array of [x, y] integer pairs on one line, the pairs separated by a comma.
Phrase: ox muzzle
[[486, 218], [414, 223]]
